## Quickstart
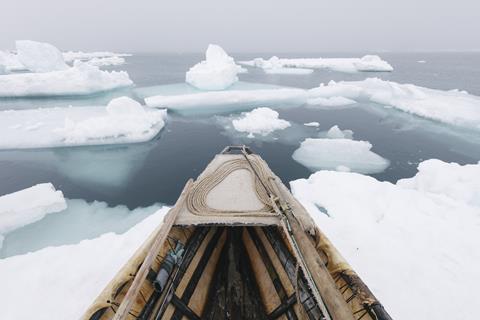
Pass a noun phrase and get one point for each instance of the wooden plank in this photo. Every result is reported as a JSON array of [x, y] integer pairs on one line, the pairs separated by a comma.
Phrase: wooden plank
[[141, 275]]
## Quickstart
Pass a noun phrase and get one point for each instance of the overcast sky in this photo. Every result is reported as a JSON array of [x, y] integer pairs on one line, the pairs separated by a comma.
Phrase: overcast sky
[[244, 25]]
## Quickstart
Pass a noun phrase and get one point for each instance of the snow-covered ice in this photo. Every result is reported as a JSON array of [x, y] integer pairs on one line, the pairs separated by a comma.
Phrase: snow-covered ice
[[186, 100], [350, 65], [330, 102], [39, 56], [317, 154], [312, 124], [71, 274], [71, 56], [217, 72], [106, 61], [11, 62], [123, 120], [336, 133], [28, 206], [260, 121], [81, 79], [415, 246], [275, 66], [452, 107]]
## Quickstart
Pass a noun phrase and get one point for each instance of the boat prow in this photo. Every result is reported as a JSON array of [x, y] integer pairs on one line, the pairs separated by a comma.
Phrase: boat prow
[[237, 245]]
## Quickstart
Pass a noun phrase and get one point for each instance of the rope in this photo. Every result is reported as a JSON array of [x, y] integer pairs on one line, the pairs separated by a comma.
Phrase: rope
[[197, 197]]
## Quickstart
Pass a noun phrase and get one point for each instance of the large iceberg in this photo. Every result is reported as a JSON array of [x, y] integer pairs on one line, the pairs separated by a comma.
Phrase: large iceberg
[[81, 79], [39, 56], [28, 206], [186, 100], [217, 72], [452, 107], [73, 274], [123, 120], [349, 65], [339, 154], [415, 244], [260, 121]]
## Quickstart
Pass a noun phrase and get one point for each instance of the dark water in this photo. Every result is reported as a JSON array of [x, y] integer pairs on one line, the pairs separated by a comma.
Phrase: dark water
[[155, 171]]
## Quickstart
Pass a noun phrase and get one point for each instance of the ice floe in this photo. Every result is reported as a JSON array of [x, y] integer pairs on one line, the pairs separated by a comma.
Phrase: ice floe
[[81, 79], [28, 206], [452, 107], [71, 56], [241, 96], [423, 237], [312, 124], [260, 121], [317, 154], [73, 274], [350, 65], [11, 62], [330, 102], [336, 133], [275, 66], [123, 120], [106, 61], [217, 72], [39, 56]]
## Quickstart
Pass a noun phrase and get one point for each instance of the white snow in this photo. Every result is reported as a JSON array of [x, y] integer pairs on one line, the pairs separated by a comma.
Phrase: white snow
[[11, 62], [68, 278], [39, 56], [106, 61], [81, 79], [312, 124], [123, 120], [335, 101], [260, 121], [28, 206], [316, 154], [452, 107], [459, 182], [350, 65], [217, 72], [71, 56], [416, 248], [336, 133], [190, 102]]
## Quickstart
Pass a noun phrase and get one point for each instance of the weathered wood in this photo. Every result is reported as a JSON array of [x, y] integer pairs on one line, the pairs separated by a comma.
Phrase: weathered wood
[[183, 309], [283, 308]]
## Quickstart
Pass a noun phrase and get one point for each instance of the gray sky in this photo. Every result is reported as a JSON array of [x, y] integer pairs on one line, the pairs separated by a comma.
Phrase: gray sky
[[244, 25]]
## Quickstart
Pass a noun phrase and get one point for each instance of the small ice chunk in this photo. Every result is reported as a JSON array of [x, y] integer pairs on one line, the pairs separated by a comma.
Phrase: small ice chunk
[[335, 133], [318, 154], [312, 124], [260, 121], [39, 56], [217, 72], [29, 205], [421, 61]]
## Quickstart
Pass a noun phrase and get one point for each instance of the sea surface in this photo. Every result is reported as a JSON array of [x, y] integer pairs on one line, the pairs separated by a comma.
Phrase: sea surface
[[139, 175]]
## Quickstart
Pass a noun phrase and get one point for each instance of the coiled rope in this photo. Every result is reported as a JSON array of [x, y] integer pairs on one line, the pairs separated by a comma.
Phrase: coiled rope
[[197, 197]]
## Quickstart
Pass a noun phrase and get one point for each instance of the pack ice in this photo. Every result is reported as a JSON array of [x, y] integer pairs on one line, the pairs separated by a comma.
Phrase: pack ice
[[421, 233], [123, 120], [452, 107], [217, 72], [349, 65]]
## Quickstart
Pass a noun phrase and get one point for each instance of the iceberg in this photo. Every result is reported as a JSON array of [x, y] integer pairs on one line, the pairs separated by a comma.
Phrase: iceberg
[[39, 56], [217, 72], [317, 154], [28, 206], [10, 62], [44, 274], [260, 121], [454, 107], [336, 133], [123, 120], [81, 79], [241, 96], [418, 235], [349, 65]]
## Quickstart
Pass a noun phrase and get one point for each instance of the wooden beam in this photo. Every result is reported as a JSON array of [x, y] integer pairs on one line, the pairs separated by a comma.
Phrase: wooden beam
[[283, 308], [184, 309]]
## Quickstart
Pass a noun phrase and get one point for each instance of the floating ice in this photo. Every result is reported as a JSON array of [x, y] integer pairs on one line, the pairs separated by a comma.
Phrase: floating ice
[[312, 124], [3, 69], [71, 56], [107, 61], [453, 107], [11, 62], [217, 72], [28, 206], [419, 235], [260, 121], [335, 133], [122, 121], [316, 154], [72, 274], [366, 63], [39, 56], [275, 66], [81, 79], [421, 61], [455, 181], [186, 100], [333, 102]]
